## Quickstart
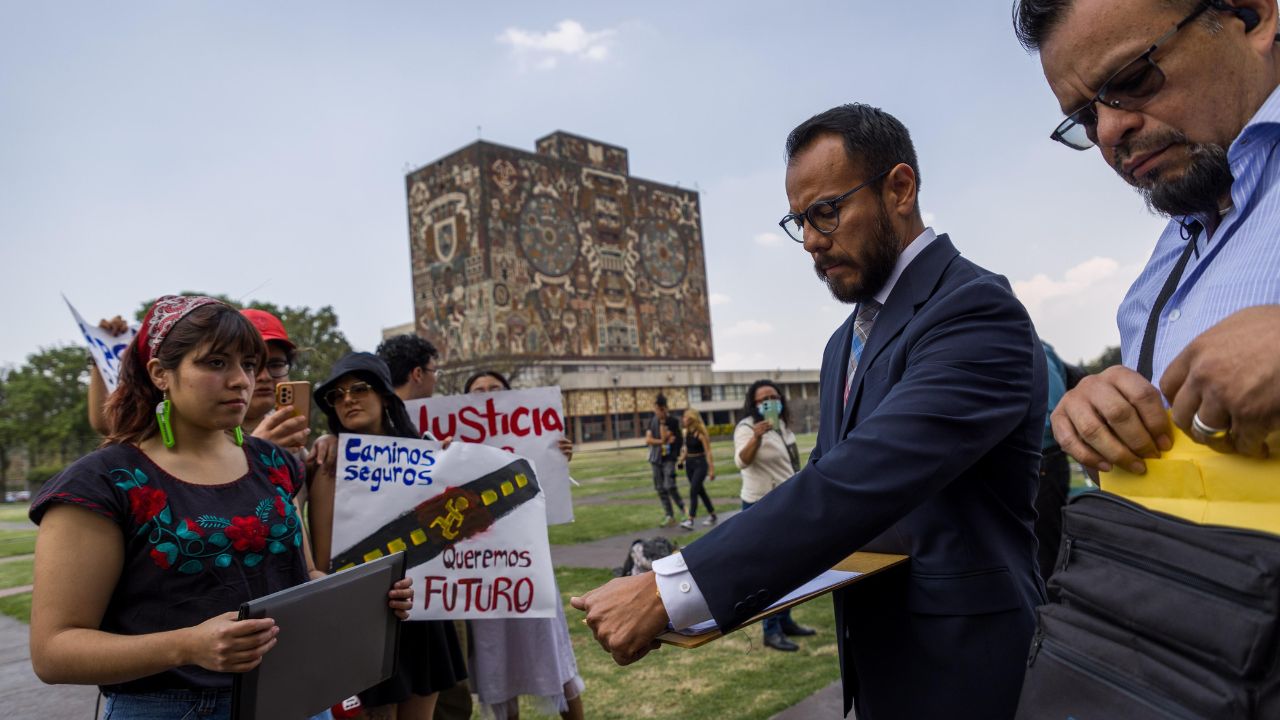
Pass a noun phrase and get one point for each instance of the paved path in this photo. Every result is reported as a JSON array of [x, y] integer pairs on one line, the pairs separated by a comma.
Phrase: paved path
[[23, 695], [826, 704], [610, 552]]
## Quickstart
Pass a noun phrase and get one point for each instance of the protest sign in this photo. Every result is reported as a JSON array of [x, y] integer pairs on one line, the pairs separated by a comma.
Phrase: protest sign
[[528, 423], [105, 347], [471, 522]]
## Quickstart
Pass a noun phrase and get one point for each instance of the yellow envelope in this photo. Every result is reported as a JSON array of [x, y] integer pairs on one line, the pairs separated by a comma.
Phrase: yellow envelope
[[1198, 484]]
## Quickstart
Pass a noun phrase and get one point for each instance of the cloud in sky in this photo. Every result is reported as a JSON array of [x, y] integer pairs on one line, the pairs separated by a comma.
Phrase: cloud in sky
[[769, 239], [748, 328], [718, 299], [1076, 311], [569, 39]]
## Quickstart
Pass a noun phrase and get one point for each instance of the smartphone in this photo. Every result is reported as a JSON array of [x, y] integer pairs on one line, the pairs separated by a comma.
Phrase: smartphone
[[294, 397]]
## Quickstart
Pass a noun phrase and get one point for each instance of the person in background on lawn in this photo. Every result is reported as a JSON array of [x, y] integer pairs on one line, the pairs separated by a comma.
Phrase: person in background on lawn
[[698, 464], [664, 440]]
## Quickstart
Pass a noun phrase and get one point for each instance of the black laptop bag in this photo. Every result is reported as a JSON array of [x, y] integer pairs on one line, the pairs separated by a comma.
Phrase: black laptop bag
[[1152, 616]]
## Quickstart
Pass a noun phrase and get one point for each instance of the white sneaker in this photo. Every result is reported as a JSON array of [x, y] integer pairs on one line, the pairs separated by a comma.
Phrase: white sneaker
[[687, 524], [710, 521]]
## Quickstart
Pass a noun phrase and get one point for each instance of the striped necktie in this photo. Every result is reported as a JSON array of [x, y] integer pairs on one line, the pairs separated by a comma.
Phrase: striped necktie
[[867, 312]]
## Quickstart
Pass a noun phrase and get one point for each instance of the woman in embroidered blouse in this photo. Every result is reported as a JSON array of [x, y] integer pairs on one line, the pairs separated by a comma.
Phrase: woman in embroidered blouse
[[148, 546], [358, 398]]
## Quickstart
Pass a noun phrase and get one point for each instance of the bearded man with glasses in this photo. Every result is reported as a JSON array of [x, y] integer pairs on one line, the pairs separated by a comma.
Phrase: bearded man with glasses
[[933, 395], [1179, 97]]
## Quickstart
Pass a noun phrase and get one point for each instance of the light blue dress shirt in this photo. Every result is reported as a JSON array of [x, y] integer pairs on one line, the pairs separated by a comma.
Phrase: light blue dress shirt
[[1238, 266], [681, 596]]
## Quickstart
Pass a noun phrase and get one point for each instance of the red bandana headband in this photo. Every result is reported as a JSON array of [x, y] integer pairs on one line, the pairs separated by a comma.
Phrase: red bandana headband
[[163, 315]]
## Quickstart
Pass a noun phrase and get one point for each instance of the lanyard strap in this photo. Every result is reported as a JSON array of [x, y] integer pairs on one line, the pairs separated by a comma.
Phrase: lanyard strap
[[1147, 353]]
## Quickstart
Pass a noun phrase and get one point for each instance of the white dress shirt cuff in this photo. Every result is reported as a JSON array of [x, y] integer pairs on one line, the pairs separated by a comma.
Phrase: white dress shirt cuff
[[680, 594]]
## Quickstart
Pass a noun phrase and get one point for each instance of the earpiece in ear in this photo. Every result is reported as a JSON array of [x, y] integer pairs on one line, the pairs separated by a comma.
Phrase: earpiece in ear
[[1248, 16]]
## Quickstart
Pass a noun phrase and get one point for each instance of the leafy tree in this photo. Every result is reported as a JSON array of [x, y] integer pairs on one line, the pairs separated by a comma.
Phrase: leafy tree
[[44, 407], [1110, 356]]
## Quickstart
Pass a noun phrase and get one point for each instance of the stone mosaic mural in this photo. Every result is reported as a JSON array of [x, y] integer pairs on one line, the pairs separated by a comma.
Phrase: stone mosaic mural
[[556, 255]]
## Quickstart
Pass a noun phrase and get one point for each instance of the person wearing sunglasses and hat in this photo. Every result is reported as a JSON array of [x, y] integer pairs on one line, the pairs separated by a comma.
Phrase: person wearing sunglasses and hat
[[358, 398], [1180, 99]]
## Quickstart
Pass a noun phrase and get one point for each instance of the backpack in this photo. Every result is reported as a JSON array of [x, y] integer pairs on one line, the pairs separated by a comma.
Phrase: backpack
[[642, 553]]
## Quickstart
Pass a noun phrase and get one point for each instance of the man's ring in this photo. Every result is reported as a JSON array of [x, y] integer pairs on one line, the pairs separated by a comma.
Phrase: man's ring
[[1209, 432]]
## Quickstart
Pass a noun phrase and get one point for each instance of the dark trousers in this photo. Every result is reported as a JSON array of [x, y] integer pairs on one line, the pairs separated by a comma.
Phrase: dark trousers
[[696, 467], [1055, 481], [664, 481]]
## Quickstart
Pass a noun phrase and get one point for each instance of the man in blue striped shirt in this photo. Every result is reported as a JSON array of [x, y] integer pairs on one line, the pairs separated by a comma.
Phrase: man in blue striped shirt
[[1180, 97]]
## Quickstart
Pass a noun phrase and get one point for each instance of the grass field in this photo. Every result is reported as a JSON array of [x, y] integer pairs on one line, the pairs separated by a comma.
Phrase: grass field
[[734, 677], [17, 607], [17, 542], [15, 574], [14, 512]]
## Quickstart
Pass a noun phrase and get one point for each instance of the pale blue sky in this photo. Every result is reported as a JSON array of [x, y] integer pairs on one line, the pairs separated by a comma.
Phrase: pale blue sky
[[260, 148]]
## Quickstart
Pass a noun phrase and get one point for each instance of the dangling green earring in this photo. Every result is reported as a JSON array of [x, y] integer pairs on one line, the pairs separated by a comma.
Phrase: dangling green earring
[[162, 419], [239, 436]]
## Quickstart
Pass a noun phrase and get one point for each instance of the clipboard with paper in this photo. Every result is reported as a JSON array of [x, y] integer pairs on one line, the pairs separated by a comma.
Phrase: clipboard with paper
[[855, 568]]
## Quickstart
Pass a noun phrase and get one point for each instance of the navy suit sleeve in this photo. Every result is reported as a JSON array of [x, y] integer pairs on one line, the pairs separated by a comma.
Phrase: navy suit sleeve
[[966, 385]]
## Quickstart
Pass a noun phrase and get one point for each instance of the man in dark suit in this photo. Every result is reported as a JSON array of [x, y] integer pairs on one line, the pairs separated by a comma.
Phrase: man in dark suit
[[933, 401]]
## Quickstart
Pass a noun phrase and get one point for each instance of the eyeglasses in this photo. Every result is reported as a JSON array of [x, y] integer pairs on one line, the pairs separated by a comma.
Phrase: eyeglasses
[[279, 368], [355, 391], [433, 372], [1129, 88], [823, 215]]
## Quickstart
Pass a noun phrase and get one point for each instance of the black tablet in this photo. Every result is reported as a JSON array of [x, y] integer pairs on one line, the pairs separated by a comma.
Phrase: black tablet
[[337, 638]]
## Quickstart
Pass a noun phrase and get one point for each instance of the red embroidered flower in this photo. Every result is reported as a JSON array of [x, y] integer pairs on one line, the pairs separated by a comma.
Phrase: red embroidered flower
[[280, 476], [161, 559], [192, 527], [280, 507], [146, 502], [247, 533]]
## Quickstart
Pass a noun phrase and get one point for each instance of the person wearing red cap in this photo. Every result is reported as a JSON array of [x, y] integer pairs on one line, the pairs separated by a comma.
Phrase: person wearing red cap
[[284, 429]]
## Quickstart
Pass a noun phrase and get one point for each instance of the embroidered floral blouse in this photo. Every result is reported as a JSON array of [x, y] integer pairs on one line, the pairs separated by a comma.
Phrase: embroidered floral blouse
[[191, 551]]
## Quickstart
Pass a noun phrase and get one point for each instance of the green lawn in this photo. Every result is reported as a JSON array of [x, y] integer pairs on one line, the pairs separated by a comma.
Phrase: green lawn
[[734, 677], [15, 574], [17, 607], [17, 542], [14, 512]]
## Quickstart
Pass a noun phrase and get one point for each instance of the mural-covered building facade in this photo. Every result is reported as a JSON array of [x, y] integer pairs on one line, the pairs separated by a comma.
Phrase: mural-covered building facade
[[563, 262]]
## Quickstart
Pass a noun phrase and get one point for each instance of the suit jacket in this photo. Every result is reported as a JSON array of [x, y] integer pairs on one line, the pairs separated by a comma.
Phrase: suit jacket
[[936, 456]]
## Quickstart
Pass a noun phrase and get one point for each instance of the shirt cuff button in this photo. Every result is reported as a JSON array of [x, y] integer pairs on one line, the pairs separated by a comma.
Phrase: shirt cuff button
[[684, 587]]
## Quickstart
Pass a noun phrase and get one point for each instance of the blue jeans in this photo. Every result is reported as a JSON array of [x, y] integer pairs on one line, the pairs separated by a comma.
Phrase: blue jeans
[[169, 705], [175, 705], [773, 624]]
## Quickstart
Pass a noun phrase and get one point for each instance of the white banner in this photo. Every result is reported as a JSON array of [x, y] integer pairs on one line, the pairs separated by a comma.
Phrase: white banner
[[471, 521], [105, 347], [528, 423]]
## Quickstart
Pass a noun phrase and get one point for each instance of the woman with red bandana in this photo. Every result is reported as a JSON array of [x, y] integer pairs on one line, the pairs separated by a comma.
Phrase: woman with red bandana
[[148, 546]]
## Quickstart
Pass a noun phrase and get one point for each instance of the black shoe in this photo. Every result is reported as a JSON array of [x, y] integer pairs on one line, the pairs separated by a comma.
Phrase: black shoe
[[778, 641], [792, 629]]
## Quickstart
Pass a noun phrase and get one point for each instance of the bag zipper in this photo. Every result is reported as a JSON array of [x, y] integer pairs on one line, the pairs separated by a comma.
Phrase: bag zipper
[[1228, 529], [1093, 670], [1161, 570]]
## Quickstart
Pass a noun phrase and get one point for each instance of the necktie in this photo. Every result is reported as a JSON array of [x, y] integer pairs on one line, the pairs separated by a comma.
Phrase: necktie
[[867, 312]]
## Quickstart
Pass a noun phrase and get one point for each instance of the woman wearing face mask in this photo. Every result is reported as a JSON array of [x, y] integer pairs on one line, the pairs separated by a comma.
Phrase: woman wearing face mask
[[357, 398], [764, 449], [148, 546], [696, 458], [526, 656]]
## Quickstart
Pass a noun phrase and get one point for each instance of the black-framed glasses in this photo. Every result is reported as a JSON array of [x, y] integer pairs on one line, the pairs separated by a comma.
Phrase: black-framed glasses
[[433, 372], [278, 368], [1129, 88], [823, 215], [355, 391]]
